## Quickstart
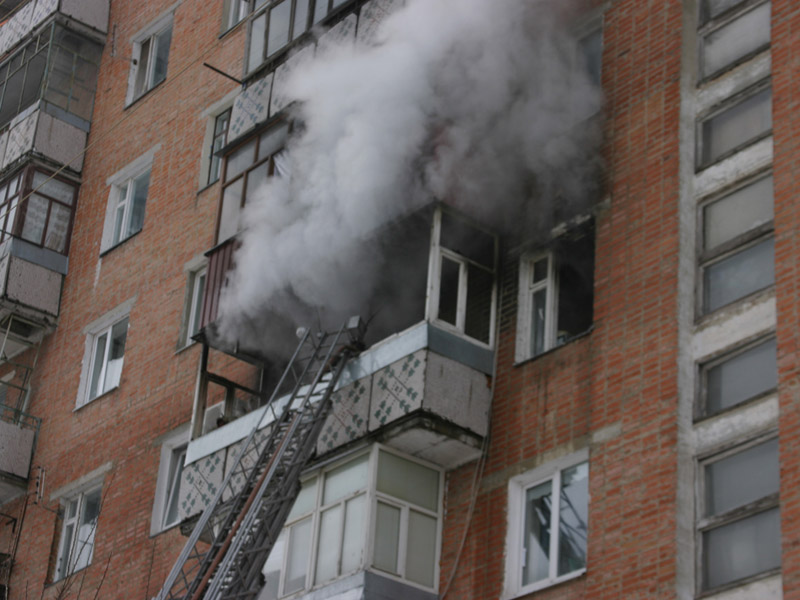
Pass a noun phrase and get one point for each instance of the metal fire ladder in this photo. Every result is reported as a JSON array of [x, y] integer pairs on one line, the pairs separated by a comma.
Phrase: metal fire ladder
[[224, 555]]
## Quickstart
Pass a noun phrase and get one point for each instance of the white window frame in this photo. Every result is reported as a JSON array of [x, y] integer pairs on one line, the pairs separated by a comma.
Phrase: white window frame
[[437, 254], [72, 553], [517, 487], [196, 271], [116, 183], [368, 531], [92, 331], [527, 289], [150, 33], [172, 445], [234, 12]]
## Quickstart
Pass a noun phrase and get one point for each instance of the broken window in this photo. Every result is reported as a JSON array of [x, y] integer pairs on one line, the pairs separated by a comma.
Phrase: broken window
[[741, 122], [737, 247], [725, 41], [247, 169], [746, 373], [556, 293], [739, 520], [464, 277], [325, 536]]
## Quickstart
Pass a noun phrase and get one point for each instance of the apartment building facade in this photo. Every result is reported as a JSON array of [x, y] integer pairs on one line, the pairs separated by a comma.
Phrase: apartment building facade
[[599, 407]]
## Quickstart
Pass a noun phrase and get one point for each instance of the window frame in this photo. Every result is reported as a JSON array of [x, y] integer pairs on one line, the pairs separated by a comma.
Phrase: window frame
[[196, 275], [527, 289], [149, 36], [704, 524], [100, 326], [106, 360], [218, 141], [701, 410], [437, 255], [61, 570], [371, 498], [517, 487], [702, 163], [706, 258], [174, 443], [232, 7]]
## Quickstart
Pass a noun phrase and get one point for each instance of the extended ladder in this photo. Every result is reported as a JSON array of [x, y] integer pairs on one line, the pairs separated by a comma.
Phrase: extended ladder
[[226, 551]]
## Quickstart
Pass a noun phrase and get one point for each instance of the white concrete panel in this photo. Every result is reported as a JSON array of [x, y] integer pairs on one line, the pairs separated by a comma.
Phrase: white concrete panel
[[92, 12], [16, 27], [34, 286], [766, 589], [250, 107], [715, 432], [60, 141], [457, 393], [20, 138], [16, 445], [733, 325]]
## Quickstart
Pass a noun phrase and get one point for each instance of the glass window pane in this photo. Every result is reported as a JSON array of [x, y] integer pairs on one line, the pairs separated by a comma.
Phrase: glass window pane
[[140, 186], [272, 569], [538, 321], [54, 188], [739, 275], [421, 551], [66, 551], [353, 543], [35, 217], [540, 269], [163, 41], [714, 8], [742, 478], [478, 316], [345, 480], [737, 125], [407, 480], [84, 547], [573, 518], [33, 78], [258, 31], [119, 333], [11, 97], [329, 543], [738, 38], [320, 10], [737, 213], [279, 26], [140, 85], [97, 365], [255, 182], [272, 140], [742, 548], [229, 213], [536, 533], [300, 18], [742, 377], [306, 499], [197, 302], [591, 47], [297, 561], [57, 228], [448, 291], [240, 159], [387, 537]]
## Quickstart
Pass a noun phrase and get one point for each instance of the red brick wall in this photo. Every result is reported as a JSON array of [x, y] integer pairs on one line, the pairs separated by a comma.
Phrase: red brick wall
[[156, 391], [623, 374]]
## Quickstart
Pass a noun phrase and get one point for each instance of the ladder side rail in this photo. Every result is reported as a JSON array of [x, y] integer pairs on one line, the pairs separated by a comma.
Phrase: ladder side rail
[[311, 415], [194, 538]]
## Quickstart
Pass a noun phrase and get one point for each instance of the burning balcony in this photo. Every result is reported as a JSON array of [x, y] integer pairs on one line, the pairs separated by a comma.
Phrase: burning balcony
[[18, 432]]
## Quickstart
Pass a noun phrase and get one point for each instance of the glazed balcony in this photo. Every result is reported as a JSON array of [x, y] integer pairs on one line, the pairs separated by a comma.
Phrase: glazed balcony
[[18, 432]]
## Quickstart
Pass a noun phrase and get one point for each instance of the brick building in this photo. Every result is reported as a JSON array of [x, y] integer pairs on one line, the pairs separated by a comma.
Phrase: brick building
[[599, 404]]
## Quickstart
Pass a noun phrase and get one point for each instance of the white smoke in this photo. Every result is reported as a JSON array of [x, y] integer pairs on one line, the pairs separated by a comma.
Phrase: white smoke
[[484, 105]]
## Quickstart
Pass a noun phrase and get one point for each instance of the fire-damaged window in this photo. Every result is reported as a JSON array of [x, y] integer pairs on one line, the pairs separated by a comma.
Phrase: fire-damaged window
[[247, 168], [463, 277], [556, 293]]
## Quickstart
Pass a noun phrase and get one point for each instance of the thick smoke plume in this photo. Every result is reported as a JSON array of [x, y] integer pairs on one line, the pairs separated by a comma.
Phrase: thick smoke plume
[[486, 106]]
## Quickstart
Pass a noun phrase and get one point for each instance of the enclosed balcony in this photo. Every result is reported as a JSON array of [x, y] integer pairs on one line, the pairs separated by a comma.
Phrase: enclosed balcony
[[18, 432], [422, 386]]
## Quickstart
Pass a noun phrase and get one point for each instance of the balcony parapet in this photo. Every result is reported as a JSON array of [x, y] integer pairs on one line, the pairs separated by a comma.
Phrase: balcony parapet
[[92, 13], [18, 433], [424, 391]]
